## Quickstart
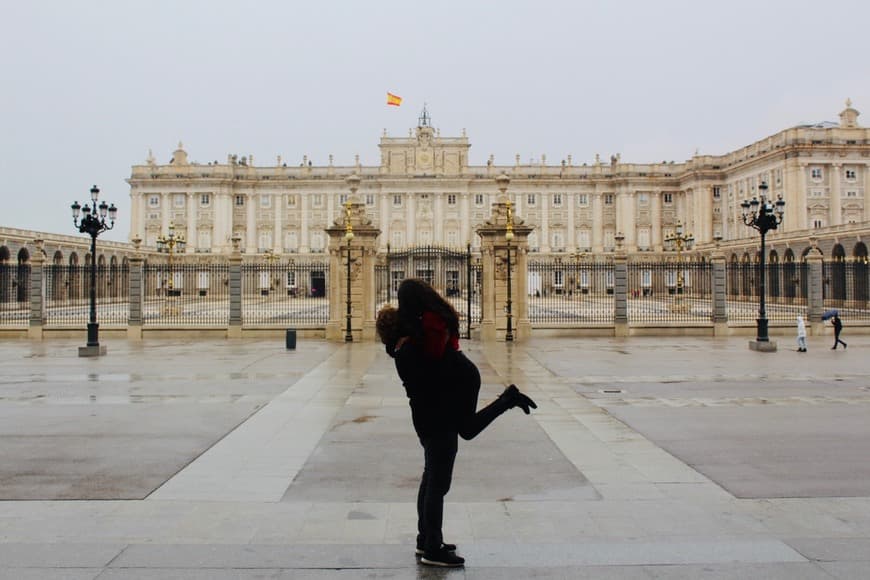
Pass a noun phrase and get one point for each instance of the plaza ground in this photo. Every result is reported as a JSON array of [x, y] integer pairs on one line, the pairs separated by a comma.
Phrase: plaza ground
[[647, 458]]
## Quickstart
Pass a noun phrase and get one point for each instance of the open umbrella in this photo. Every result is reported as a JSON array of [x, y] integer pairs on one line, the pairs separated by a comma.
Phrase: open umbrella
[[830, 313]]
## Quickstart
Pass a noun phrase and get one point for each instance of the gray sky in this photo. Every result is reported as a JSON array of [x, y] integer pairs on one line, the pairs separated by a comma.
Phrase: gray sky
[[90, 86]]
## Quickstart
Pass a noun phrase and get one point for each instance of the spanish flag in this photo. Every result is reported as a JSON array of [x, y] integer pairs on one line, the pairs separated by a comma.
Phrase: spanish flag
[[394, 100]]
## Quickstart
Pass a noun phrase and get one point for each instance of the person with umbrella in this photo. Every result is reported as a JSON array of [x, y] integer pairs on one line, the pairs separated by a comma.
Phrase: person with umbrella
[[838, 327]]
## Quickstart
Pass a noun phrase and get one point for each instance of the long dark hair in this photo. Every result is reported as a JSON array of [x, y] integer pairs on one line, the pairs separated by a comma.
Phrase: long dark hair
[[416, 297]]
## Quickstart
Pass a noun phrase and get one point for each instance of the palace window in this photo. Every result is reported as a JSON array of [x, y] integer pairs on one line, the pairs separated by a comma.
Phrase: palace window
[[240, 200], [204, 200], [478, 199], [317, 200], [608, 199], [265, 201], [291, 201], [851, 194], [397, 200], [342, 198], [818, 224], [530, 199], [154, 201], [582, 199], [178, 199], [717, 192], [668, 197], [642, 198], [850, 175], [370, 199], [816, 173], [451, 199], [557, 200]]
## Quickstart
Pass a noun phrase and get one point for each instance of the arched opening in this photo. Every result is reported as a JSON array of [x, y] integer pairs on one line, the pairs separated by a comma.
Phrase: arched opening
[[774, 276], [6, 275], [837, 273], [860, 283], [790, 278], [56, 278], [22, 282], [74, 277], [747, 275], [734, 276]]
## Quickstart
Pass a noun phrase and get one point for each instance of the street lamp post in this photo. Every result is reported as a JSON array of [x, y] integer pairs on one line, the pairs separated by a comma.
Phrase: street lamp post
[[502, 181], [167, 244], [353, 182], [762, 215], [93, 223], [680, 239]]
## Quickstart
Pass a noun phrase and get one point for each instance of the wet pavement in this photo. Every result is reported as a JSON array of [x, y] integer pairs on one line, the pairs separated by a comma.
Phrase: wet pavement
[[647, 458]]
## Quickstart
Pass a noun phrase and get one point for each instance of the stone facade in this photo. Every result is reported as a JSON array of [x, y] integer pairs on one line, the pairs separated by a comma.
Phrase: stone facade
[[424, 191]]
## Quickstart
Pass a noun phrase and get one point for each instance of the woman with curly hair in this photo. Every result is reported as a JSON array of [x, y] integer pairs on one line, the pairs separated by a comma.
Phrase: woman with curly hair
[[442, 385]]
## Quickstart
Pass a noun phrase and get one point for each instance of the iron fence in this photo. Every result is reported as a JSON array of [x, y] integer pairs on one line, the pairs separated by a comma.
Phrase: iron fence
[[787, 287], [186, 295], [14, 295], [293, 293], [570, 293], [846, 287], [670, 292], [68, 291], [450, 271]]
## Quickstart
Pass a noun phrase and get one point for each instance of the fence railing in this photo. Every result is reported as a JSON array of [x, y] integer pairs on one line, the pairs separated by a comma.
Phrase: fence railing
[[670, 292], [847, 288], [185, 295], [14, 295], [785, 293], [570, 293], [68, 291], [284, 294]]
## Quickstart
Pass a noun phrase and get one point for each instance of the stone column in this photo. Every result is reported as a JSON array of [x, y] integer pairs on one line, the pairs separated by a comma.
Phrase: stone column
[[251, 241], [815, 289], [571, 234], [37, 291], [655, 220], [720, 289], [836, 195], [137, 293], [192, 238], [597, 223], [465, 217], [620, 291], [363, 255], [866, 193], [384, 220], [235, 323], [278, 204], [165, 213], [304, 242]]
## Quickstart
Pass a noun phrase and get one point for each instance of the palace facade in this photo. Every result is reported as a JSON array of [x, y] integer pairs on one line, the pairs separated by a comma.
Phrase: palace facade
[[425, 191]]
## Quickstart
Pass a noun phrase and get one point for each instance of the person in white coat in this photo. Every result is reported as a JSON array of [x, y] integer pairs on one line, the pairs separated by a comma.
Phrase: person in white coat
[[801, 334]]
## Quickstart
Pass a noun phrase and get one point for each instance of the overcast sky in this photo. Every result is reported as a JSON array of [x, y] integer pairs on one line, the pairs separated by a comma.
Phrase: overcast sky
[[88, 87]]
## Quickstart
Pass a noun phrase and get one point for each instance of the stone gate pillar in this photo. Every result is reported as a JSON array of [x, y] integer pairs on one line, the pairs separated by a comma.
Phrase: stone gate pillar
[[815, 289], [720, 289], [137, 291], [37, 291], [352, 256], [504, 236]]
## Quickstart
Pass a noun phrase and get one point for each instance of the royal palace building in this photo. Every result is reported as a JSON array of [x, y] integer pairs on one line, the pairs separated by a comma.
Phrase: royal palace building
[[424, 191]]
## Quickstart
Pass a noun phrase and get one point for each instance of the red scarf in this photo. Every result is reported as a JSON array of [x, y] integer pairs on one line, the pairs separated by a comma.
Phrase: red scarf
[[436, 337]]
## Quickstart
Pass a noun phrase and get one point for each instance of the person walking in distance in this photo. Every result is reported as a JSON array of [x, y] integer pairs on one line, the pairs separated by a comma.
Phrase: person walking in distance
[[801, 334], [442, 385], [838, 327]]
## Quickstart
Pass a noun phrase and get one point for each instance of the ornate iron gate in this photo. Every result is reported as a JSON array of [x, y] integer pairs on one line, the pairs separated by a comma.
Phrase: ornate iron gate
[[451, 272]]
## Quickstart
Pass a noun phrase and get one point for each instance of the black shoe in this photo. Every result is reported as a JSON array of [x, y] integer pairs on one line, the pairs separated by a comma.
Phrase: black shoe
[[443, 558], [448, 547], [834, 347], [845, 345]]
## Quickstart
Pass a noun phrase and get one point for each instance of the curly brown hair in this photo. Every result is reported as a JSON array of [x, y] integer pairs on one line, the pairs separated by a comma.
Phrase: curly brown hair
[[387, 325]]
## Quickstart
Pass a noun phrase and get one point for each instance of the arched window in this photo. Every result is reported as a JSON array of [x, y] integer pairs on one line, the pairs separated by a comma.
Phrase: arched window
[[860, 289], [837, 273]]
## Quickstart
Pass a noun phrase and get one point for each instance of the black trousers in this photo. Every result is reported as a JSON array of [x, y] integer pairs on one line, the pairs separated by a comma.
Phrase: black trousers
[[440, 454]]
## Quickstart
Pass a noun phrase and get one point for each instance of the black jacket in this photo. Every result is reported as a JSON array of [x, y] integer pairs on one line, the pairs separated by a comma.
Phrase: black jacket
[[442, 393]]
